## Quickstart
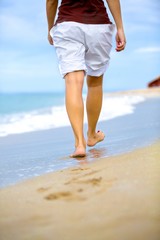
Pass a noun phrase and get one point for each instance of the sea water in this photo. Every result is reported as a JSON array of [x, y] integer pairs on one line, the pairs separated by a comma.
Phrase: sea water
[[29, 112], [35, 138]]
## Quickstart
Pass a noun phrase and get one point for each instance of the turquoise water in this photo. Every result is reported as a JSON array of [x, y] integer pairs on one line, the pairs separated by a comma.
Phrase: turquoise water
[[24, 102], [28, 112]]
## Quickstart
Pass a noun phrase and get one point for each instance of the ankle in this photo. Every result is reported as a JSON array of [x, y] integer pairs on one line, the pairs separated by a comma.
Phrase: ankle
[[81, 144], [91, 134]]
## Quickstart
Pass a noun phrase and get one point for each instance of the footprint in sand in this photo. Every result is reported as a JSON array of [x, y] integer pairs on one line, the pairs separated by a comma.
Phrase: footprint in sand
[[43, 189], [65, 196], [79, 169], [58, 195], [92, 181]]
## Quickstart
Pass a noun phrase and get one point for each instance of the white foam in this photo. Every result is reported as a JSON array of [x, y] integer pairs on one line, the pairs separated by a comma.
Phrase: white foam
[[57, 117], [119, 106]]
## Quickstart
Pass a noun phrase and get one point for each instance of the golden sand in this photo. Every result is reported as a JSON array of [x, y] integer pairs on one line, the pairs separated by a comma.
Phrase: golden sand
[[115, 198], [148, 92]]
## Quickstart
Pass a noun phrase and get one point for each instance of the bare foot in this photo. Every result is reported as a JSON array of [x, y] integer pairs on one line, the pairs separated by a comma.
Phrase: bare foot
[[98, 137], [79, 152]]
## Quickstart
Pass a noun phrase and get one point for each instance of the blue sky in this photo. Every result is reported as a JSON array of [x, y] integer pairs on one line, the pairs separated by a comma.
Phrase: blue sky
[[28, 63]]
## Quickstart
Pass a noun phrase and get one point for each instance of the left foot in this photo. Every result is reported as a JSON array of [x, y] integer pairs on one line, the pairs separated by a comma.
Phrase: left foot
[[98, 137], [79, 152]]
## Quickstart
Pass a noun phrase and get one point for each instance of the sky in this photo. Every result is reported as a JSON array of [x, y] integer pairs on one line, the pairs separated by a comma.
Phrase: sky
[[29, 64]]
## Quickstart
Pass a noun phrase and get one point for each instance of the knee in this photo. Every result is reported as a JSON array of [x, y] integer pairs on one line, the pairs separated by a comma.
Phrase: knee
[[94, 81], [74, 78]]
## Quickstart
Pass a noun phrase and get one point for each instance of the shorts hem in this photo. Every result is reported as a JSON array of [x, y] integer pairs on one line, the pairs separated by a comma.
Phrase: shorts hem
[[98, 72], [73, 70]]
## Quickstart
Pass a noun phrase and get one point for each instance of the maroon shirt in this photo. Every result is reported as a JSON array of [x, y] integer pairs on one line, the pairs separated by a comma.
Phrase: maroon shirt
[[83, 11]]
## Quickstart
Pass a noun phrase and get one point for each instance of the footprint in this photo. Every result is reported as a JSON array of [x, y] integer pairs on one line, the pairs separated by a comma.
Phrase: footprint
[[58, 195], [76, 196], [77, 178], [79, 169], [93, 181], [91, 173], [43, 189]]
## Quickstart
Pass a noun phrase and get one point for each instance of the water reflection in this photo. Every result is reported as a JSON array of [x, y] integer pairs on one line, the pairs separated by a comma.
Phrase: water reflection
[[93, 154]]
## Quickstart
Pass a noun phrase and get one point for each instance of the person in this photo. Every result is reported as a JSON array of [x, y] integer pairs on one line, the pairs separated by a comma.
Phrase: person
[[82, 37]]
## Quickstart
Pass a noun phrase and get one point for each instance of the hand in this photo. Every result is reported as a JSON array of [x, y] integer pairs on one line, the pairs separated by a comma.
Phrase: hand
[[120, 40], [50, 39]]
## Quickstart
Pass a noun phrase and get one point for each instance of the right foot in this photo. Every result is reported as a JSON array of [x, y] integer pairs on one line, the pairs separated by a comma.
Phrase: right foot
[[80, 151], [98, 137]]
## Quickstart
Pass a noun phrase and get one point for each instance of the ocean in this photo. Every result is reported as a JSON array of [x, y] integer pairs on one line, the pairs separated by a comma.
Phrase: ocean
[[29, 112], [36, 138]]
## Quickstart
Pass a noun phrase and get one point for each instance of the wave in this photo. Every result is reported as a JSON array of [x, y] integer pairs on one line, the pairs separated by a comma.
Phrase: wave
[[56, 116]]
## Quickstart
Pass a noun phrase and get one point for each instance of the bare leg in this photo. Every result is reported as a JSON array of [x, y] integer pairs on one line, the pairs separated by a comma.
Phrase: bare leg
[[75, 109], [93, 106]]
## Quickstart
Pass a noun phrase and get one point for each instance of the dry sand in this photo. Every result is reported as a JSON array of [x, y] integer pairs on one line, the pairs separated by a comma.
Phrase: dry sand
[[115, 198], [147, 92]]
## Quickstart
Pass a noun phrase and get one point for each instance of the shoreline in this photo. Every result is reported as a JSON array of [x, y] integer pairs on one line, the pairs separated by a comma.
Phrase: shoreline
[[27, 155], [111, 198]]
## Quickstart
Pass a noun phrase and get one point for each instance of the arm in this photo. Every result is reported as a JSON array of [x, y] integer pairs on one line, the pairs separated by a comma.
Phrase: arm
[[115, 9], [51, 9]]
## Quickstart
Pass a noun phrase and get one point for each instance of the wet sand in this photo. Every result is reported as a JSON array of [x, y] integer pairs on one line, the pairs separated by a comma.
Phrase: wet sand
[[115, 198]]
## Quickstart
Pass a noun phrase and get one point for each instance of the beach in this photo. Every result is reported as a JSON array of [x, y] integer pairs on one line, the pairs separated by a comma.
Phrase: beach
[[112, 193], [115, 198], [130, 120]]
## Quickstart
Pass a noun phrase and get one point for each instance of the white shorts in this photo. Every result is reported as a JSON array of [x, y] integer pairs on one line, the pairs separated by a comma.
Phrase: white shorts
[[83, 47]]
